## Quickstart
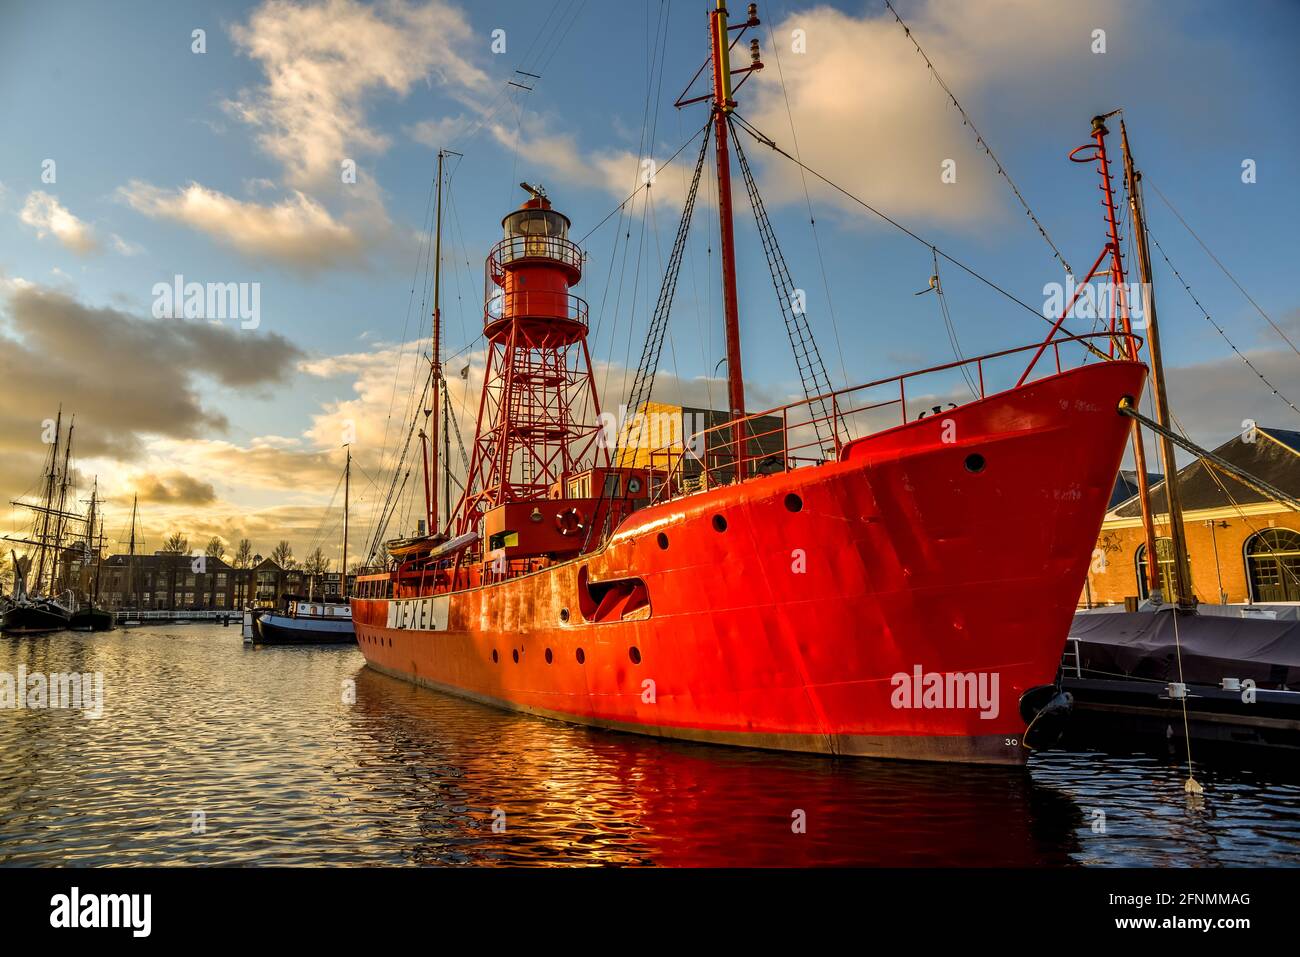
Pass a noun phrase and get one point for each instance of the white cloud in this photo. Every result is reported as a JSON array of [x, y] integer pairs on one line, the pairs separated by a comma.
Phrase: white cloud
[[320, 63], [298, 231], [870, 117], [124, 246], [49, 217]]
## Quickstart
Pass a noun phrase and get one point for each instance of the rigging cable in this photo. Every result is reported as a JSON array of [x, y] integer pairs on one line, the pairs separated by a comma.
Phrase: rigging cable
[[952, 330], [771, 144], [807, 357], [1250, 365], [812, 220], [983, 144], [652, 349], [1241, 289]]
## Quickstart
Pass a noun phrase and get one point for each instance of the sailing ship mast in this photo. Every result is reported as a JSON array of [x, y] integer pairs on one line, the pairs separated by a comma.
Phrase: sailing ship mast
[[130, 567], [347, 482], [723, 105], [1183, 593], [43, 537], [92, 546], [60, 514], [436, 382], [429, 443]]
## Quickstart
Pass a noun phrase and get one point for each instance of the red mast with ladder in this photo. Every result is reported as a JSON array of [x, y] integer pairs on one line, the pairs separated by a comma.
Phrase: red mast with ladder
[[722, 104]]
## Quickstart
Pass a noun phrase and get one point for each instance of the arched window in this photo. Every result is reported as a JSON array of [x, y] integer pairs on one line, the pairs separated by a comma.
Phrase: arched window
[[1273, 565], [1165, 560]]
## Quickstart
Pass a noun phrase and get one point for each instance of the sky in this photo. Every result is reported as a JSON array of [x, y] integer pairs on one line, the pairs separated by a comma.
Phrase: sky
[[138, 150]]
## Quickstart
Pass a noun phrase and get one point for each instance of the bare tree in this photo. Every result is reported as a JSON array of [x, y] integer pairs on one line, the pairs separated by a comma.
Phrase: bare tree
[[244, 554], [282, 555], [176, 544], [316, 563], [216, 548]]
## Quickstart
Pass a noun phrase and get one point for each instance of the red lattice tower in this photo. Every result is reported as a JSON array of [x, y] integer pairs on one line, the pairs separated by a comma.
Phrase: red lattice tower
[[535, 427]]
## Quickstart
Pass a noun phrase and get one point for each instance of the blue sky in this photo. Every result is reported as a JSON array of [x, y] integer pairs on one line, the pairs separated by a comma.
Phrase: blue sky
[[258, 124]]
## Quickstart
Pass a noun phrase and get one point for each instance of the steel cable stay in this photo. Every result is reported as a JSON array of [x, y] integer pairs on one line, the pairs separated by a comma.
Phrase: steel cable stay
[[815, 382], [771, 144], [982, 143], [1241, 475], [1240, 288], [1219, 329], [936, 283], [807, 198], [652, 349], [392, 499]]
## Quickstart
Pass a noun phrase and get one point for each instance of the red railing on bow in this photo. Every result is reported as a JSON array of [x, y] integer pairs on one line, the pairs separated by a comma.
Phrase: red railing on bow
[[787, 437]]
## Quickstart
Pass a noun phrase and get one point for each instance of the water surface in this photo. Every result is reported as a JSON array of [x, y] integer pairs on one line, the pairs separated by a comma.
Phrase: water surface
[[211, 752]]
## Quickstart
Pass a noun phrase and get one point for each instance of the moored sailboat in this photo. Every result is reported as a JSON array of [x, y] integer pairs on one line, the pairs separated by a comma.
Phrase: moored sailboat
[[31, 610], [312, 622], [88, 616]]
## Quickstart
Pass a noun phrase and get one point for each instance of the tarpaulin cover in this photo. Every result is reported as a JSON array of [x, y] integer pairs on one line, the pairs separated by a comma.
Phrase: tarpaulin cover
[[1141, 645]]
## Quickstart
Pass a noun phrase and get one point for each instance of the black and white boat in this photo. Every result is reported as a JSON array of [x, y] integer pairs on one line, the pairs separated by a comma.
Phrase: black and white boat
[[305, 623]]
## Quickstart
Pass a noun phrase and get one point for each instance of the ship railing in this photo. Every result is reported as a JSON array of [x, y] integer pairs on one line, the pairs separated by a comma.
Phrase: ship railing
[[534, 304], [814, 430], [519, 249]]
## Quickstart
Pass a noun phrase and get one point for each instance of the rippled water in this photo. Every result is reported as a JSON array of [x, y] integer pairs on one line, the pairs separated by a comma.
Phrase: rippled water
[[262, 744]]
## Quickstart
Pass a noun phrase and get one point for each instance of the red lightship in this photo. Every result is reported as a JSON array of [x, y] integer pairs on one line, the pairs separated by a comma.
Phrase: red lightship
[[799, 579]]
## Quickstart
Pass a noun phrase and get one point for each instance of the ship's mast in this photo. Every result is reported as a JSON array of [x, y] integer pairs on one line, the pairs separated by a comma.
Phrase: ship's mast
[[90, 546], [722, 107], [43, 537], [436, 383], [347, 483], [1183, 593], [722, 104], [63, 498], [1119, 285], [130, 568]]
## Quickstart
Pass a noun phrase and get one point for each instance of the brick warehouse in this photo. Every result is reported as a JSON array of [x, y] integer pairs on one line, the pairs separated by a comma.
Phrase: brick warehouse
[[1242, 546]]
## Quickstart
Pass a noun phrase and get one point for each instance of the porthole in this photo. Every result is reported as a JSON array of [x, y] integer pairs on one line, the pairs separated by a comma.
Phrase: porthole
[[564, 614], [549, 657], [719, 523], [635, 654], [582, 656], [662, 539], [514, 653], [793, 503], [494, 656], [974, 462]]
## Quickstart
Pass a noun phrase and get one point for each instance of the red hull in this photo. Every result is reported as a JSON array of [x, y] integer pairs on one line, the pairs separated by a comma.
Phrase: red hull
[[802, 629]]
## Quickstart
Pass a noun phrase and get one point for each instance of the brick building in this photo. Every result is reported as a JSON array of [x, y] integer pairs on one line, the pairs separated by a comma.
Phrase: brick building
[[165, 580], [1242, 546]]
